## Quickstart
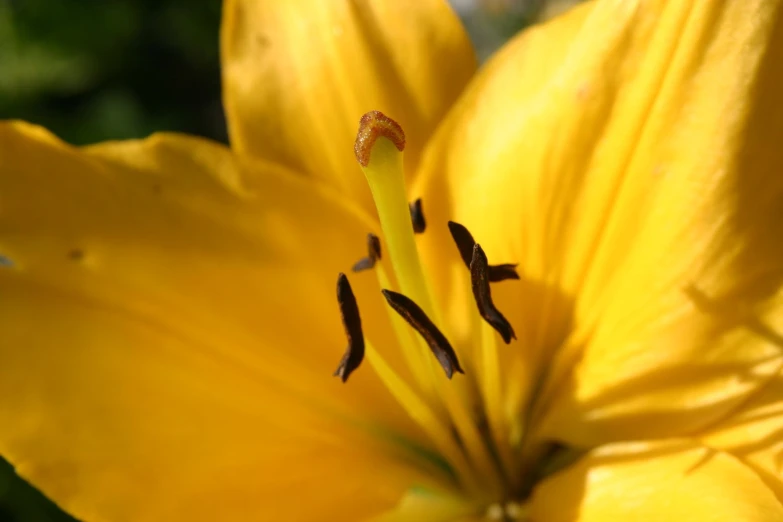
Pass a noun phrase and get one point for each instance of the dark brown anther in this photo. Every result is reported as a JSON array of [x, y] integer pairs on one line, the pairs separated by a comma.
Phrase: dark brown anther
[[417, 217], [435, 339], [373, 254], [372, 126], [465, 243], [352, 323], [479, 278], [502, 272]]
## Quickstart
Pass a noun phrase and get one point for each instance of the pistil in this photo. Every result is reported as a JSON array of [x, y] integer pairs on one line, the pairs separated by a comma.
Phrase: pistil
[[464, 421], [379, 145]]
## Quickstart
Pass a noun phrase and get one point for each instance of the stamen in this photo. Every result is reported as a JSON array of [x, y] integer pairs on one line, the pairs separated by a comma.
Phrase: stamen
[[416, 317], [479, 278], [417, 359], [502, 272], [352, 323], [465, 243], [421, 412], [417, 217], [373, 254]]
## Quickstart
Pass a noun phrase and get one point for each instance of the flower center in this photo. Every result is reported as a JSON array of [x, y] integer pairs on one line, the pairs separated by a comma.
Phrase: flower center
[[464, 418]]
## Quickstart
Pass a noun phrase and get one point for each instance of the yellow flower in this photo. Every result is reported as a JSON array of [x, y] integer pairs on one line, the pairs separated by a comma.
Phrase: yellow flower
[[168, 311]]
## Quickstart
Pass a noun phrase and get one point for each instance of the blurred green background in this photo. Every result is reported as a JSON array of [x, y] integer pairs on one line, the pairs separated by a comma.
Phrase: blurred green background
[[94, 70]]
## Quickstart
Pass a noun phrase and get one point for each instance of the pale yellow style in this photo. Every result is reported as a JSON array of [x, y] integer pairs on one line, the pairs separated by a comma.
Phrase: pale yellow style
[[168, 313]]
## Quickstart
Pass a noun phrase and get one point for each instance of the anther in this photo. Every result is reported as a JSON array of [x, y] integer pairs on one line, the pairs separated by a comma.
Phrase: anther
[[352, 323], [479, 278], [373, 254], [373, 125], [417, 217], [502, 272], [434, 338], [465, 243]]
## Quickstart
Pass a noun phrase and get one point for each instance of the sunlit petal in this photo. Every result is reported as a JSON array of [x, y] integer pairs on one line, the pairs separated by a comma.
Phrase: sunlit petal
[[472, 174], [635, 181], [297, 75], [655, 481]]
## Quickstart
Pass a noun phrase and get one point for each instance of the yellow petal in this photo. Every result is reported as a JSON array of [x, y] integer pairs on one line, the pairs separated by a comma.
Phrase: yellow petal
[[298, 75], [459, 181], [425, 506], [754, 434], [169, 333], [656, 481], [635, 184]]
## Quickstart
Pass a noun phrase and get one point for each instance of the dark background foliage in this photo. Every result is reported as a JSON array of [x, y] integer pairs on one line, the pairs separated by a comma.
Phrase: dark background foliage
[[92, 70], [95, 70]]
